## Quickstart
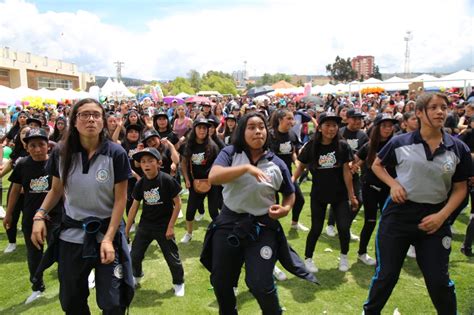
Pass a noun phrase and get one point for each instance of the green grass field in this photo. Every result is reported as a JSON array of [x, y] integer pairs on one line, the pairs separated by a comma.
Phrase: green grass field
[[339, 293]]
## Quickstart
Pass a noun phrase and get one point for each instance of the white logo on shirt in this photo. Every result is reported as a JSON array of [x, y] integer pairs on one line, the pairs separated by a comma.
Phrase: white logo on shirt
[[448, 167], [285, 147], [446, 242], [198, 158], [102, 176], [353, 143], [39, 184], [328, 160], [118, 271], [266, 252], [152, 196]]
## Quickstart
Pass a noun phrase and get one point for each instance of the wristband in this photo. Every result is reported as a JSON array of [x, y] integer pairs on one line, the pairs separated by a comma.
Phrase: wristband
[[42, 210], [39, 219]]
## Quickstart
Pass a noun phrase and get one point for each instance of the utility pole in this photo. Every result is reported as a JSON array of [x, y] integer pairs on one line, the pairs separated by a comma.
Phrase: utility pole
[[408, 37], [118, 65]]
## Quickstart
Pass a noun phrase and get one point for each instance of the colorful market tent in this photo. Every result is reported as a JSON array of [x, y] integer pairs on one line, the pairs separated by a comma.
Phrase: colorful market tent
[[283, 85]]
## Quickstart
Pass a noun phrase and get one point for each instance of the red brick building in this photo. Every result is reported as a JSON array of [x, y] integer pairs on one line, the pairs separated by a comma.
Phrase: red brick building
[[364, 65]]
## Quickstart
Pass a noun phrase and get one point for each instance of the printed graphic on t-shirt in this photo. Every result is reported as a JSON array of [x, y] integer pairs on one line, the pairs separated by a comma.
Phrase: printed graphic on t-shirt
[[152, 196], [199, 158], [227, 140], [39, 185], [327, 160], [132, 152], [285, 147], [353, 143]]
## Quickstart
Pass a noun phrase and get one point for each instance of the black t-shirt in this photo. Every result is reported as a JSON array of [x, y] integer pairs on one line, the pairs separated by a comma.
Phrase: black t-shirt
[[36, 182], [468, 138], [283, 145], [355, 139], [219, 142], [200, 159], [228, 137], [166, 160], [170, 135], [368, 175], [326, 166], [18, 155], [157, 195]]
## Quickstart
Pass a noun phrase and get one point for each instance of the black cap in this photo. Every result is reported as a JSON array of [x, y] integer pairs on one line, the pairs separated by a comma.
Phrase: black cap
[[150, 151], [34, 120], [201, 121], [328, 116], [354, 113], [36, 133], [160, 114], [380, 118], [213, 121], [231, 116], [150, 134], [133, 127]]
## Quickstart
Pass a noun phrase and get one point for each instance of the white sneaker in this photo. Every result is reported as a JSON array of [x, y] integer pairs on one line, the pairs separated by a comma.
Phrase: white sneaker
[[199, 217], [10, 248], [453, 230], [136, 281], [354, 237], [278, 274], [180, 214], [411, 252], [330, 231], [186, 238], [2, 213], [366, 259], [34, 296], [236, 290], [344, 263], [184, 192], [310, 266], [133, 228], [178, 289], [91, 279], [299, 227]]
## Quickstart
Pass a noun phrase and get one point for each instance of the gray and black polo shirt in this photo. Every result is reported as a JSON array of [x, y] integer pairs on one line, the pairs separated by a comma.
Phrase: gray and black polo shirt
[[245, 194], [427, 177], [90, 187]]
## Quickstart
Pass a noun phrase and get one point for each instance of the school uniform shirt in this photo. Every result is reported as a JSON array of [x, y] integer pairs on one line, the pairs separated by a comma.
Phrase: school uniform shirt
[[284, 145], [36, 183], [91, 182], [368, 177], [426, 176], [245, 194], [157, 195], [355, 139], [326, 167]]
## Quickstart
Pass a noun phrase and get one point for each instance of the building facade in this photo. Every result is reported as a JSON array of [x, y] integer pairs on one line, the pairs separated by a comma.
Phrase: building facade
[[22, 69], [364, 65]]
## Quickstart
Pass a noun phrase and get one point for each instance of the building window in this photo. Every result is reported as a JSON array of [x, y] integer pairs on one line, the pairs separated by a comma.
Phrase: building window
[[4, 73], [51, 83]]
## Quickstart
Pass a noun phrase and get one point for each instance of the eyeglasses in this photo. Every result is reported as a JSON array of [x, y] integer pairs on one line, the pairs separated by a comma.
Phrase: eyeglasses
[[85, 116]]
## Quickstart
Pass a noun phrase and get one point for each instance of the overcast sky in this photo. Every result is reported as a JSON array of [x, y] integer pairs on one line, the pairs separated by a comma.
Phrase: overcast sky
[[165, 39]]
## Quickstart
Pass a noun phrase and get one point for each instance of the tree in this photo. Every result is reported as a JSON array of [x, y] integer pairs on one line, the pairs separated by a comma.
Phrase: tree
[[269, 79], [341, 70], [195, 79], [218, 82], [179, 85], [377, 73]]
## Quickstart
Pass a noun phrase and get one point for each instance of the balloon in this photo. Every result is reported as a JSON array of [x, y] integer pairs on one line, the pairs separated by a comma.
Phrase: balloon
[[6, 152]]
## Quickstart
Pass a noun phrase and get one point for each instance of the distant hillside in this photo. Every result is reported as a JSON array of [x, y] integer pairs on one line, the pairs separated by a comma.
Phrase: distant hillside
[[127, 81]]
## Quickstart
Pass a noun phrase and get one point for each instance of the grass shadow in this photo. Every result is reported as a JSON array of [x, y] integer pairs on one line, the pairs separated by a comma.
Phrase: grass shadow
[[22, 307], [190, 250], [150, 298]]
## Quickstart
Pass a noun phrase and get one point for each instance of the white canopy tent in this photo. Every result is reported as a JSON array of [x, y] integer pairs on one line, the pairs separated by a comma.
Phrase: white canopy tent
[[115, 89]]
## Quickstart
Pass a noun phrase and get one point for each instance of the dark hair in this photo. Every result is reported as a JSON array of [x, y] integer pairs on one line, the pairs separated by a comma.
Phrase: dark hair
[[424, 99], [57, 135], [71, 138], [408, 115], [211, 146], [140, 121], [155, 124], [18, 144], [374, 143], [239, 135], [275, 121]]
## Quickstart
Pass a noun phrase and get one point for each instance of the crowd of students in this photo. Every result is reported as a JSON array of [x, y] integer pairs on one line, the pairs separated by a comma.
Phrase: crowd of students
[[80, 173]]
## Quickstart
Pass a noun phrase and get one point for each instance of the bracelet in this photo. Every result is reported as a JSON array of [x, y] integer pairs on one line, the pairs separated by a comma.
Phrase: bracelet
[[42, 210], [39, 219]]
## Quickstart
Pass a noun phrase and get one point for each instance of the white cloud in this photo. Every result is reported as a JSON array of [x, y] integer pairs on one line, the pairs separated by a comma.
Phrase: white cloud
[[298, 37]]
